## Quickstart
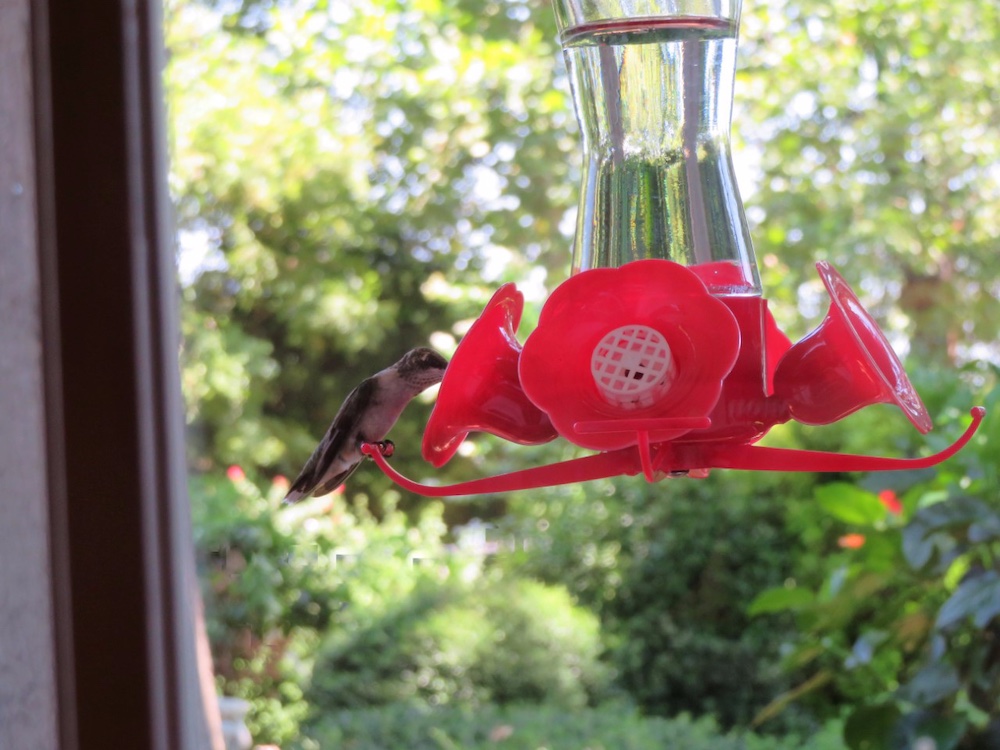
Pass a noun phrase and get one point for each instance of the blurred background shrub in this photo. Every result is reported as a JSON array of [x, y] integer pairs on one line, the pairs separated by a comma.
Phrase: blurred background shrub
[[354, 179], [466, 643], [608, 727]]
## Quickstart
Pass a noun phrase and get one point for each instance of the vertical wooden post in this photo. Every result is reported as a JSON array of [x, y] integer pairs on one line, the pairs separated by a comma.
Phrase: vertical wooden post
[[98, 597], [28, 683]]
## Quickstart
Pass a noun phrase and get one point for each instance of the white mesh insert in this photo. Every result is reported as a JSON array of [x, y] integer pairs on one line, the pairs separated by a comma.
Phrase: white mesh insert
[[632, 366]]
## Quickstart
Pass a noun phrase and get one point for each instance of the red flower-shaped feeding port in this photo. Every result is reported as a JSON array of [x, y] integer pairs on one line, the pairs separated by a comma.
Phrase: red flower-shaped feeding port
[[480, 390], [642, 348]]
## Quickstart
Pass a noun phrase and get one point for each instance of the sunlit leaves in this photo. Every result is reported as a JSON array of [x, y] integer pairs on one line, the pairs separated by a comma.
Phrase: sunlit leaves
[[878, 151], [330, 158]]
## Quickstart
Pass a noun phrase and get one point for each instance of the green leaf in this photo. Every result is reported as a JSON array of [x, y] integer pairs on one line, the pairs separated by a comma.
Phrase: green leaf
[[946, 731], [978, 597], [985, 529], [935, 682], [871, 727], [864, 648], [850, 503], [956, 572], [958, 511], [780, 599]]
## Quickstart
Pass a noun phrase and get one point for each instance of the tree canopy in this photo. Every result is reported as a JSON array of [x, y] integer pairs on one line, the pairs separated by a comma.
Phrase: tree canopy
[[876, 126]]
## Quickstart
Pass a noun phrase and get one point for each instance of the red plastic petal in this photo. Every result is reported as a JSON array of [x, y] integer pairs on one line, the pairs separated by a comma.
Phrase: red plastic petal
[[632, 313]]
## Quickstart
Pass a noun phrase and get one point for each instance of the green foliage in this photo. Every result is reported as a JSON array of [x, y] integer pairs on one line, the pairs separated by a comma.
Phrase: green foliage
[[354, 179], [276, 578], [671, 568], [465, 643], [344, 181], [868, 121], [904, 627], [608, 727]]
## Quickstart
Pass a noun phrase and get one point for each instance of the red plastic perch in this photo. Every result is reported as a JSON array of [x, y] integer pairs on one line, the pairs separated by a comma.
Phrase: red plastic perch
[[667, 458]]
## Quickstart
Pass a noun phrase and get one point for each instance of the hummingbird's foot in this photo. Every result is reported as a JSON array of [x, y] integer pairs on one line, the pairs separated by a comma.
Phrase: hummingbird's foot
[[386, 447]]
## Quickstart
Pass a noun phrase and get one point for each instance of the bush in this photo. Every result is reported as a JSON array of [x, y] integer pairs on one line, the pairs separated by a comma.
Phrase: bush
[[276, 578], [494, 641], [903, 631], [488, 727], [684, 642], [670, 569]]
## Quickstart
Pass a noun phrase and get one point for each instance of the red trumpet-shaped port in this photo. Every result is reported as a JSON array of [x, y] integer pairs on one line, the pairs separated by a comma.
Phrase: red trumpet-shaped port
[[626, 354], [843, 365], [480, 389]]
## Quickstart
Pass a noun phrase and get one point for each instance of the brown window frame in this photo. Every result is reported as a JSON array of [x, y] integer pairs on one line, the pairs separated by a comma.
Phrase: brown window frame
[[99, 605]]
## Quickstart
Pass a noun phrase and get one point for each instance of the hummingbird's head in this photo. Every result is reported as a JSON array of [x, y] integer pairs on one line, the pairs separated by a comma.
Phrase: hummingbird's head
[[421, 367]]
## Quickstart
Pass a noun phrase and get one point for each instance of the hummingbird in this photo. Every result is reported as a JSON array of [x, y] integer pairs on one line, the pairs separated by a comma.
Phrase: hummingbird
[[366, 416]]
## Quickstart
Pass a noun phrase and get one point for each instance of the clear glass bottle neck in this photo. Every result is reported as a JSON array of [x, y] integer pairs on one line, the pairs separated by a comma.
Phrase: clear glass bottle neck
[[653, 97]]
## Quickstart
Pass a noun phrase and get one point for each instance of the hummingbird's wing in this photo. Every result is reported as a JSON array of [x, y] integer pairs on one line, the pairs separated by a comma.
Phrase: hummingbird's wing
[[337, 455]]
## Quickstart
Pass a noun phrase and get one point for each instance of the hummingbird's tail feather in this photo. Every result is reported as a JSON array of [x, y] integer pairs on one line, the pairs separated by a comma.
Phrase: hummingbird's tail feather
[[311, 475], [305, 486], [334, 482], [305, 482], [298, 491]]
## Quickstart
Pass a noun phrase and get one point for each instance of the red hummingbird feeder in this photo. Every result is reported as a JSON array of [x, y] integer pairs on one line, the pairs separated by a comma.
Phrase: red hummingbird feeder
[[659, 351]]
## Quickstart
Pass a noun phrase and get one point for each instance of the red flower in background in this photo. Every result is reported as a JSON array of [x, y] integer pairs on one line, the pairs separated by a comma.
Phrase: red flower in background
[[235, 473], [851, 541], [891, 502]]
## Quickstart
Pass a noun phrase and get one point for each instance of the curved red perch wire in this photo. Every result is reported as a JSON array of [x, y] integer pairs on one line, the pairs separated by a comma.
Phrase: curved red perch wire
[[669, 458], [599, 466], [760, 458]]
